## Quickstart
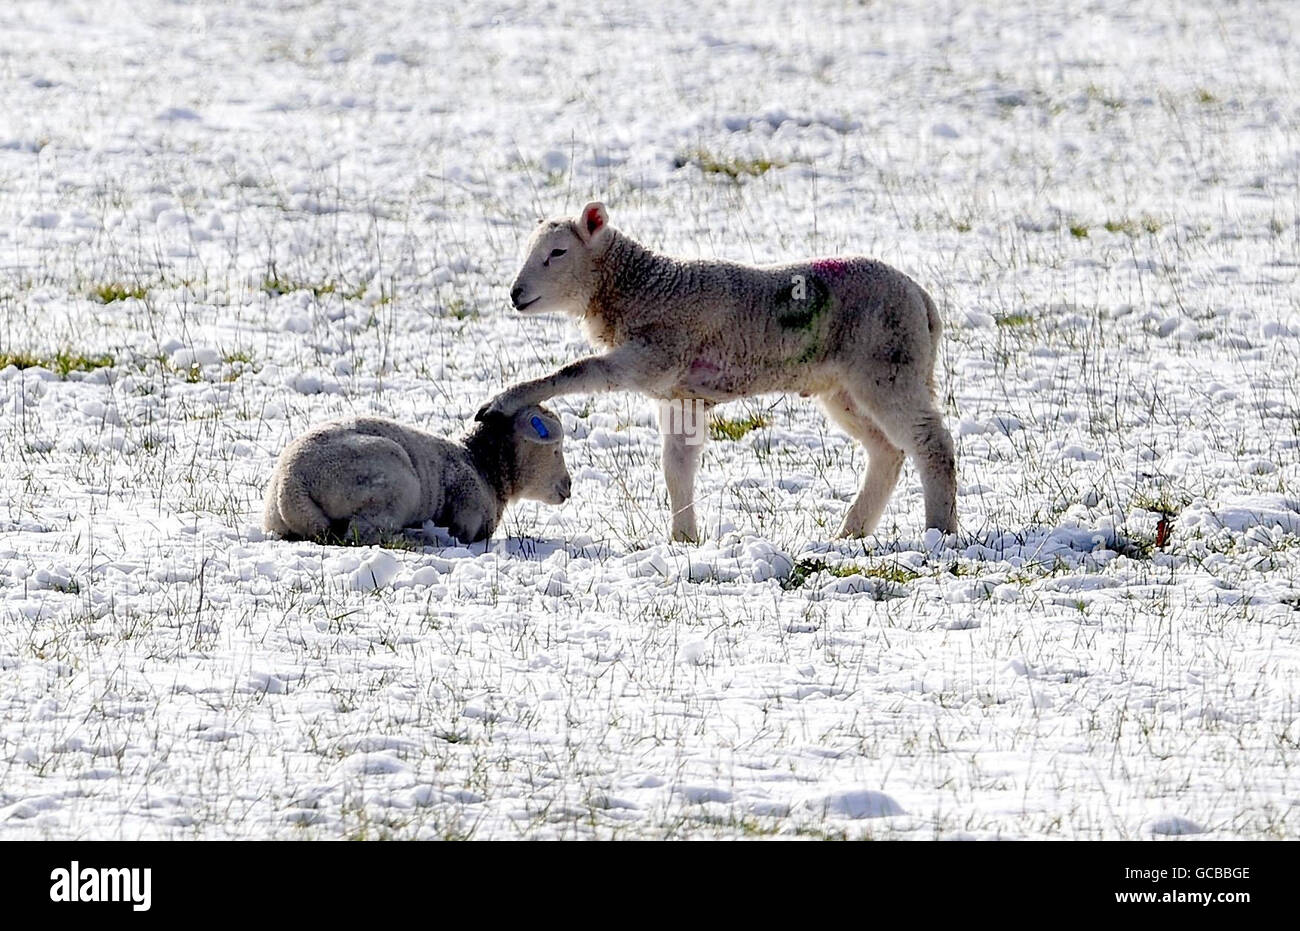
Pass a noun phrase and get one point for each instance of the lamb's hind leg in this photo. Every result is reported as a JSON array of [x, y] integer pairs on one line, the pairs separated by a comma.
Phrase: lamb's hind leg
[[684, 426], [377, 496], [905, 413], [384, 515], [885, 463]]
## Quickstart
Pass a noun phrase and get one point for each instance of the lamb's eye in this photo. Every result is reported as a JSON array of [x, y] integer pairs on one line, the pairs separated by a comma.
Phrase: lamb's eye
[[556, 253]]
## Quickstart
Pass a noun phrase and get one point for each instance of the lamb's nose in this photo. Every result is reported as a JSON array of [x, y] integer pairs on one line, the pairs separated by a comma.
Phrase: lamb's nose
[[566, 488], [516, 293]]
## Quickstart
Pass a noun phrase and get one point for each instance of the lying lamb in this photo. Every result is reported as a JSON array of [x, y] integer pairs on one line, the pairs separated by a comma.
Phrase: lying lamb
[[365, 478], [859, 334]]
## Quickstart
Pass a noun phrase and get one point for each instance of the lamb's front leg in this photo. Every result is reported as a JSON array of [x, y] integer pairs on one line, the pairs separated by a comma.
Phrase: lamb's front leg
[[630, 367]]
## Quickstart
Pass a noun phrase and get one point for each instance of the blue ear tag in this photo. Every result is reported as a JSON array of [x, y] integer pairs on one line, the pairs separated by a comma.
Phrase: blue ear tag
[[540, 427]]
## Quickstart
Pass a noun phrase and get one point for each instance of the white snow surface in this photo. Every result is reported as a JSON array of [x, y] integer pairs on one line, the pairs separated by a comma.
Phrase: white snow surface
[[318, 209]]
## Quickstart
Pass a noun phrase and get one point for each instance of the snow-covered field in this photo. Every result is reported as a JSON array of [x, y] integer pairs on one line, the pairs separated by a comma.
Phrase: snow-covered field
[[221, 223]]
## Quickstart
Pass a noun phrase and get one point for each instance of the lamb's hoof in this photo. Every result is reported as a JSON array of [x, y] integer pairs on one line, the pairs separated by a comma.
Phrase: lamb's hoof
[[503, 405], [686, 535]]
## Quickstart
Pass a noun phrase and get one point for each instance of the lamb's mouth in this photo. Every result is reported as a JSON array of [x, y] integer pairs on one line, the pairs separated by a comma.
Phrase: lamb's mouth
[[526, 304]]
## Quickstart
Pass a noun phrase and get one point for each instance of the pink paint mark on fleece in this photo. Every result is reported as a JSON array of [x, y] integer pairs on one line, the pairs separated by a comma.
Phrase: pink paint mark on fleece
[[831, 268], [702, 376]]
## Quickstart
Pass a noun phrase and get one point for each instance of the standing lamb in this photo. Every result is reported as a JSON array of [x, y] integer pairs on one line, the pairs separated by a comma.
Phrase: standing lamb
[[365, 478], [857, 333]]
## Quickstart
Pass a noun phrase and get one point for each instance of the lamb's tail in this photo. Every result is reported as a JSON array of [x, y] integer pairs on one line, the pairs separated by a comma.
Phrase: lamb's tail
[[932, 318], [935, 323], [292, 512]]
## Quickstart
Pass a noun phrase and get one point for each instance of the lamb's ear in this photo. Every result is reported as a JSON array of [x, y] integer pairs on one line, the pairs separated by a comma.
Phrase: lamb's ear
[[591, 221], [537, 426]]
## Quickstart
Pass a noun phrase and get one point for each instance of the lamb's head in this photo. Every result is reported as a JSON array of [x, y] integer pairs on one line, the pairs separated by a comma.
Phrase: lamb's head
[[539, 447], [560, 272], [523, 455]]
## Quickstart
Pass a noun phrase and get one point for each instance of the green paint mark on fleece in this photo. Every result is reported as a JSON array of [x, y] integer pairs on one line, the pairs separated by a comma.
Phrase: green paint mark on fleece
[[802, 301]]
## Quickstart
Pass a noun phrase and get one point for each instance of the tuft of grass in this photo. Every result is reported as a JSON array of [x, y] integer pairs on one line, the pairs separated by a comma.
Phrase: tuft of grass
[[22, 360], [1106, 100], [70, 587], [819, 833], [115, 291], [891, 572], [1205, 97], [62, 363], [805, 569], [1132, 227], [733, 428], [1164, 504], [1079, 231], [1013, 320], [239, 362], [276, 284], [459, 309], [732, 167]]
